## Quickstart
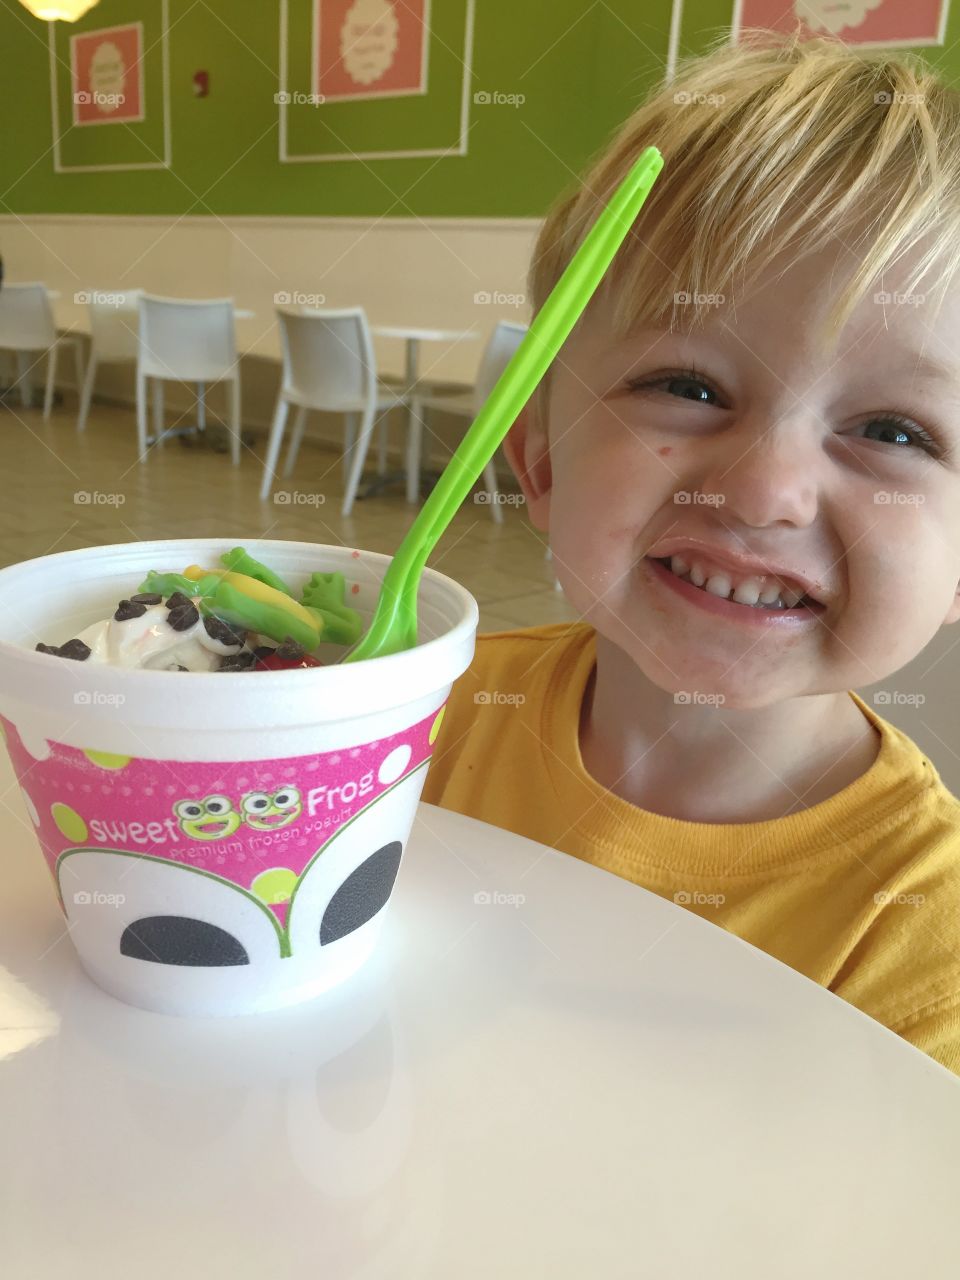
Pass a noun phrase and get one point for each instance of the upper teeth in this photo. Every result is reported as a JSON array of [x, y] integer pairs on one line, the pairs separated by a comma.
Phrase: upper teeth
[[767, 592]]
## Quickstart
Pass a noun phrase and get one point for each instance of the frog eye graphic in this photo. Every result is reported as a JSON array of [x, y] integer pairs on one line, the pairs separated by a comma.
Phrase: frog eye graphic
[[217, 805], [256, 802], [288, 798], [188, 809]]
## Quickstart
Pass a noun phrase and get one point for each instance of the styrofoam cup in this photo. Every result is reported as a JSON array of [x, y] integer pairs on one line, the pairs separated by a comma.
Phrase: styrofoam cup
[[221, 842]]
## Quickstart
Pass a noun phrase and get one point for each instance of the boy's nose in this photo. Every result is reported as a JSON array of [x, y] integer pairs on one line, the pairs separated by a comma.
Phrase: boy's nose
[[765, 476]]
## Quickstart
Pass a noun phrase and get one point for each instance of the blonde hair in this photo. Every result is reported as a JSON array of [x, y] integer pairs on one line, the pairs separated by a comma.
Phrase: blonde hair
[[777, 143]]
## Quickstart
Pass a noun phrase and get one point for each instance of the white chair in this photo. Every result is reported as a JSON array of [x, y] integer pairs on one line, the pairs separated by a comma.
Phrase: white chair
[[26, 327], [503, 342], [329, 364], [182, 340], [113, 340]]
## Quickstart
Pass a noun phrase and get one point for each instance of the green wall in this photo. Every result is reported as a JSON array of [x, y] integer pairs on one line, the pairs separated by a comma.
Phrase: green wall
[[581, 68]]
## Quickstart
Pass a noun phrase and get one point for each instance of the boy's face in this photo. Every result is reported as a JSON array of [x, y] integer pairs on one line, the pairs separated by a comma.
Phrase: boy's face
[[792, 444]]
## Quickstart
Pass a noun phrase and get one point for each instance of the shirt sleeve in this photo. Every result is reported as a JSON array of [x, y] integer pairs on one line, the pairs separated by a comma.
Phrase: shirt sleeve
[[935, 1029]]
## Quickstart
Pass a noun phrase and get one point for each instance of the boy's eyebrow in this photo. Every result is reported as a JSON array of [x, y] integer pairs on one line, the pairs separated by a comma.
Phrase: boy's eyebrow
[[916, 364], [926, 366]]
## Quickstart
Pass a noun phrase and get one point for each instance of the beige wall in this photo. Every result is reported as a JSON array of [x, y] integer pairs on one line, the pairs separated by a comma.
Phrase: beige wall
[[403, 271]]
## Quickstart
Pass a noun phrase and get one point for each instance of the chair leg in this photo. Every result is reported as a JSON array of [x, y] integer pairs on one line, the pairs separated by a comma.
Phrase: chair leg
[[293, 448], [142, 416], [78, 364], [414, 438], [23, 378], [233, 388], [51, 379], [274, 441], [359, 457], [382, 446], [349, 442], [158, 414], [201, 407], [86, 394], [490, 483]]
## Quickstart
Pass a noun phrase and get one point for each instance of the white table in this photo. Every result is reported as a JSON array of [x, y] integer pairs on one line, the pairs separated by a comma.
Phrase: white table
[[412, 335], [591, 1083]]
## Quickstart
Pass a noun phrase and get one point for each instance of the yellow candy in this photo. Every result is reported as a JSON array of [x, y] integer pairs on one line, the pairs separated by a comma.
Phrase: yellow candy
[[256, 591]]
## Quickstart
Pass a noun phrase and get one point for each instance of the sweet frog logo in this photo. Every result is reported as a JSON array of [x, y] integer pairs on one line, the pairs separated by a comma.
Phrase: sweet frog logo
[[214, 817], [265, 812]]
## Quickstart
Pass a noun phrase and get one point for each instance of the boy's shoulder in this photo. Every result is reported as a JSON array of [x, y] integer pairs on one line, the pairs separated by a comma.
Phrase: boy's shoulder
[[530, 656], [551, 641]]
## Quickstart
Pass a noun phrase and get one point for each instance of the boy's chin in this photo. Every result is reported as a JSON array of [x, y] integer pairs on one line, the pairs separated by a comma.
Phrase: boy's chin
[[690, 680]]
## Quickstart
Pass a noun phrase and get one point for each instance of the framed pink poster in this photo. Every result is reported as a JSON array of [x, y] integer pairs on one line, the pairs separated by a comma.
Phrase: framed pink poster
[[369, 48], [878, 23], [107, 74]]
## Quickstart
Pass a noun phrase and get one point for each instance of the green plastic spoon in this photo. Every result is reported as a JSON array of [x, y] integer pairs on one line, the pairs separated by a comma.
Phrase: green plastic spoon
[[394, 625]]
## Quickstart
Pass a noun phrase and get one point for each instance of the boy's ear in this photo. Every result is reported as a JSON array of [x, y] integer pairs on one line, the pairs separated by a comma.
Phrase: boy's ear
[[528, 453], [953, 613]]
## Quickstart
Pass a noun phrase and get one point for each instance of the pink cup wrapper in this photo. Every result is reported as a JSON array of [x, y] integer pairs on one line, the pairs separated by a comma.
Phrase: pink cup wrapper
[[222, 865]]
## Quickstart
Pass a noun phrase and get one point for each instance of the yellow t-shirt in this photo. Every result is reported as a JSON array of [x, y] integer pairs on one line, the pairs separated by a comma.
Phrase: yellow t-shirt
[[803, 888]]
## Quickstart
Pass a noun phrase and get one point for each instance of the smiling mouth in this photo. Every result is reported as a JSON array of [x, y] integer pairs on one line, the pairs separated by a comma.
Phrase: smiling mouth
[[213, 826], [805, 605]]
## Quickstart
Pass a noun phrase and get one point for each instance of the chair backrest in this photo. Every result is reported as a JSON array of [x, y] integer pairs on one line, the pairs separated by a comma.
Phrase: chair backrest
[[328, 355], [185, 339], [502, 343], [114, 323], [26, 319]]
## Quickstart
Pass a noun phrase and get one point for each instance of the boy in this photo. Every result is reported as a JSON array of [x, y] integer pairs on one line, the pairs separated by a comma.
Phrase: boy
[[747, 457]]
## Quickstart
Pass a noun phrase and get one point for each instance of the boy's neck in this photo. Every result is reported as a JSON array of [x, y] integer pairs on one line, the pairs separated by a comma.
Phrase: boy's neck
[[698, 765]]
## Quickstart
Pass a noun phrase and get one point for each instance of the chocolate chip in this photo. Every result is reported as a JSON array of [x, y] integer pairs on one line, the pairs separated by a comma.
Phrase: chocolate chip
[[75, 649], [147, 597], [49, 648], [242, 661], [178, 600], [126, 610], [184, 616], [264, 651], [217, 629], [290, 650], [179, 668]]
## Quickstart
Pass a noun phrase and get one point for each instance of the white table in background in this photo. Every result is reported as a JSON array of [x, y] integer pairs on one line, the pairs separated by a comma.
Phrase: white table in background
[[543, 1071], [413, 336]]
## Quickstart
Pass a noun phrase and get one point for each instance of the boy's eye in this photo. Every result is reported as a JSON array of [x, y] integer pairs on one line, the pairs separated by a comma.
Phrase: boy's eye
[[685, 385], [893, 425]]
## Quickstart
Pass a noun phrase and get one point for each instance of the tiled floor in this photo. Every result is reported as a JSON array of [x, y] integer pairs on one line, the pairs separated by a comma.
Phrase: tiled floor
[[61, 490]]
